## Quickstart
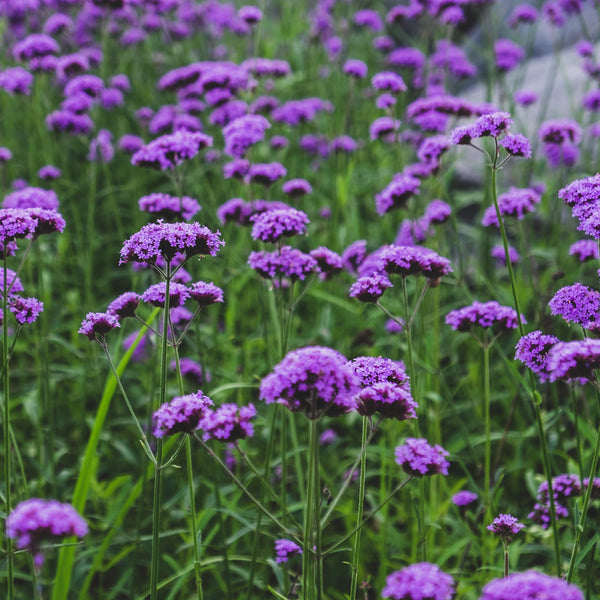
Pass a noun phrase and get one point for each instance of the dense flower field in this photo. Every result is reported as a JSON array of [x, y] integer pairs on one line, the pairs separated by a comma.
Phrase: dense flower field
[[300, 300]]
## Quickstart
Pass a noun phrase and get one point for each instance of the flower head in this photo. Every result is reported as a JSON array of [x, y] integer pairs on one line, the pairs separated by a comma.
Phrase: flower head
[[419, 581], [464, 498], [156, 294], [413, 260], [273, 225], [314, 380], [168, 151], [26, 310], [164, 206], [124, 305], [505, 526], [228, 423], [181, 415], [577, 303], [574, 360], [532, 350], [370, 287], [530, 585], [98, 325], [288, 262], [417, 457], [285, 549], [483, 314], [35, 521]]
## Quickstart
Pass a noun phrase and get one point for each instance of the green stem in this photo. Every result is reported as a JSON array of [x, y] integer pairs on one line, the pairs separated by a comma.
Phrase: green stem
[[488, 427], [196, 544], [505, 558], [308, 571], [359, 511]]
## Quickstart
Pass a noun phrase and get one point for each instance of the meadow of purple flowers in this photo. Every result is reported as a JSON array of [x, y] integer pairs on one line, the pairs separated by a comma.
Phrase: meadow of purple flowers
[[241, 248]]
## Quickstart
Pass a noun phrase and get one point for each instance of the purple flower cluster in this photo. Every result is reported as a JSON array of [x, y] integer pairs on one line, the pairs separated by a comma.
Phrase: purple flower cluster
[[532, 350], [505, 526], [564, 487], [314, 380], [170, 208], [419, 581], [397, 193], [417, 457], [181, 415], [26, 310], [97, 325], [156, 294], [413, 260], [31, 197], [583, 197], [228, 423], [560, 141], [584, 250], [464, 498], [242, 133], [575, 360], [35, 521], [483, 314], [285, 549], [164, 240], [579, 304], [205, 293], [287, 262], [370, 287], [328, 262], [168, 151], [273, 225], [530, 585], [517, 202], [384, 388]]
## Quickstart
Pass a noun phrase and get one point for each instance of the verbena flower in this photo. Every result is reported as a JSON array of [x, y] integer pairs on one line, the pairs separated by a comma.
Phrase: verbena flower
[[507, 54], [419, 581], [564, 486], [368, 18], [288, 262], [417, 457], [205, 293], [285, 549], [584, 250], [505, 526], [530, 585], [296, 188], [156, 294], [164, 206], [483, 314], [35, 522], [192, 370], [181, 415], [266, 173], [464, 498], [532, 350], [273, 225], [98, 325], [354, 255], [388, 81], [124, 305], [517, 202], [168, 151], [516, 144], [355, 68], [499, 254], [328, 262], [13, 283], [370, 287], [242, 133], [228, 422], [413, 260], [16, 80], [397, 193], [157, 240], [577, 303], [523, 14], [314, 380], [31, 197], [383, 127], [26, 310], [574, 360], [49, 173]]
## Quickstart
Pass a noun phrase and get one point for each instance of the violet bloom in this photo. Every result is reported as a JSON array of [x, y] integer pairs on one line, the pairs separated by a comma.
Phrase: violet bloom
[[35, 522], [384, 128], [278, 142], [101, 148], [157, 240], [464, 498], [49, 173], [328, 262], [314, 380], [156, 294], [31, 197], [171, 208], [48, 221], [417, 457], [242, 133], [69, 122], [499, 254], [564, 486], [16, 80], [192, 371], [168, 151], [97, 325], [296, 188], [577, 303], [388, 81], [16, 223], [124, 305], [397, 193], [525, 97], [523, 14], [355, 68], [236, 169], [508, 54], [343, 143], [370, 287], [583, 196], [530, 585], [368, 18], [516, 144], [273, 225], [228, 423], [419, 581], [584, 250], [250, 14], [205, 293], [266, 173], [285, 549], [483, 314], [288, 262], [181, 415], [354, 255], [413, 260], [26, 310], [517, 202], [532, 350], [505, 526], [560, 139], [5, 155], [574, 360]]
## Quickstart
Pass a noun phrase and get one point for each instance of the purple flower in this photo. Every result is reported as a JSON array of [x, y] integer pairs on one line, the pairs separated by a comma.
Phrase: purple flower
[[16, 80], [564, 487], [499, 254], [35, 522], [354, 255], [328, 262], [516, 145], [328, 437], [315, 380], [296, 188], [49, 173], [574, 360], [157, 240], [285, 549], [505, 526], [483, 314], [492, 124], [419, 581], [124, 305], [228, 423], [560, 131], [383, 127], [242, 133], [48, 221], [525, 97], [368, 18], [370, 287], [13, 283], [288, 262], [394, 325], [523, 13], [584, 250], [266, 173], [388, 81], [577, 303], [156, 294], [34, 45], [532, 350], [515, 203], [413, 260], [250, 14], [343, 143], [181, 415], [178, 78], [69, 122], [508, 55], [168, 207], [464, 498], [16, 223], [397, 193], [273, 225], [26, 310], [205, 293], [279, 141], [57, 23], [192, 370], [101, 148], [355, 68], [530, 585], [417, 457], [98, 325], [31, 197], [170, 150], [5, 155]]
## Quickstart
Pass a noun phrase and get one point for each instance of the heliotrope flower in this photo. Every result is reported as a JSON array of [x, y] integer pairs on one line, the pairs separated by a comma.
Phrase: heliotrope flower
[[419, 581], [228, 422], [532, 350], [285, 549], [483, 314], [577, 303], [505, 526], [464, 498], [273, 225], [181, 415], [35, 522], [156, 294], [157, 240], [98, 325], [417, 457], [315, 380], [530, 585]]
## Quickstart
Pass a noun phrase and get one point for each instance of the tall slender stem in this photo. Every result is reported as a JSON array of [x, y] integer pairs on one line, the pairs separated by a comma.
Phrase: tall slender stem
[[308, 567], [196, 545]]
